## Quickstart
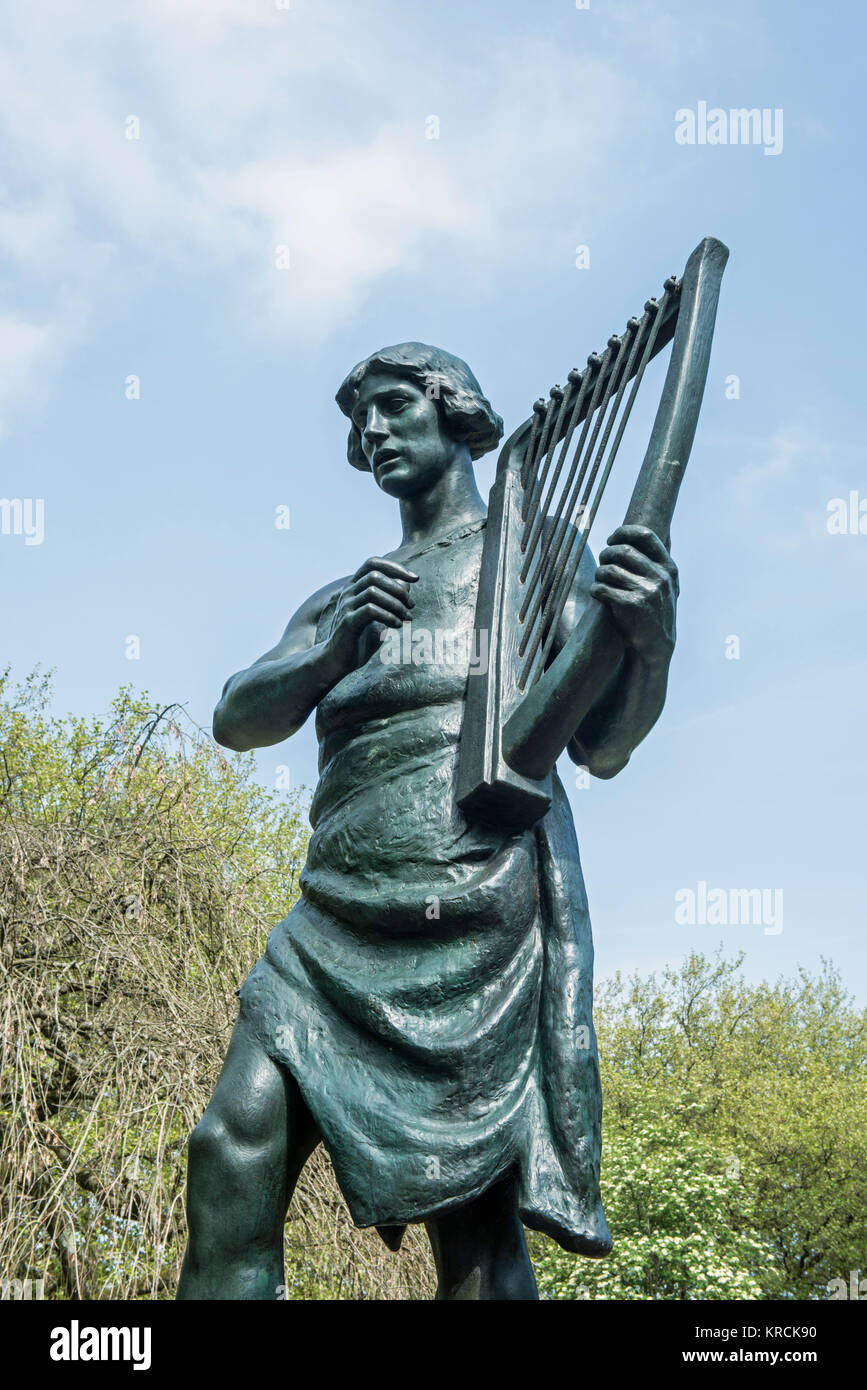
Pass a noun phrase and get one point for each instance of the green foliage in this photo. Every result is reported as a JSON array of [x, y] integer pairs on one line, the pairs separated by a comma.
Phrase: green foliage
[[677, 1209], [735, 1137], [140, 871]]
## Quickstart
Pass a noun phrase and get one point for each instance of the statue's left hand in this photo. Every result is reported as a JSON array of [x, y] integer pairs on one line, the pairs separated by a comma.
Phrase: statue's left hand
[[637, 581]]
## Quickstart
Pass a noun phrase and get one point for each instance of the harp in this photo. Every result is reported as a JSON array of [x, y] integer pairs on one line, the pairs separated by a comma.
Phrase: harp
[[551, 474]]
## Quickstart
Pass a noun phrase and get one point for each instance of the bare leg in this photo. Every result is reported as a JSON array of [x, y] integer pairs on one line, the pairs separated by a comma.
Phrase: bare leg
[[245, 1156], [480, 1251]]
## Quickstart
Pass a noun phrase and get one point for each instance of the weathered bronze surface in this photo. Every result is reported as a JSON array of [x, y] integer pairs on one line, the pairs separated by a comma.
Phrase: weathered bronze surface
[[426, 1007]]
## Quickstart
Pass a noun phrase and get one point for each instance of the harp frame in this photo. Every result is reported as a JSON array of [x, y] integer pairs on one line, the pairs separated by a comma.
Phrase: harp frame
[[521, 713]]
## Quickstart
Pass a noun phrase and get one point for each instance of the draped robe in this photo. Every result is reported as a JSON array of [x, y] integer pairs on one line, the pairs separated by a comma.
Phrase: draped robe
[[431, 990]]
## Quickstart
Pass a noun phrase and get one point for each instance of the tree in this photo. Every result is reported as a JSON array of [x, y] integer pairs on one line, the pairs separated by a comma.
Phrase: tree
[[140, 871], [676, 1206], [761, 1092]]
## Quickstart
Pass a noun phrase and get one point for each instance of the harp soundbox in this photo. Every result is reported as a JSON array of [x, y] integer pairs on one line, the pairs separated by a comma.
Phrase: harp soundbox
[[551, 473]]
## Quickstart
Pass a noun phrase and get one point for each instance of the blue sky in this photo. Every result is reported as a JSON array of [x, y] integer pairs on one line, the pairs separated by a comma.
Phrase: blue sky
[[306, 128]]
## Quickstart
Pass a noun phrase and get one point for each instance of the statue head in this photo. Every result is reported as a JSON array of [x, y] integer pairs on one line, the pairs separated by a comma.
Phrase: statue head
[[415, 411]]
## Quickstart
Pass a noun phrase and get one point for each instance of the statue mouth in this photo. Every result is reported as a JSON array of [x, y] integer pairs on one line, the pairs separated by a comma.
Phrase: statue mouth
[[385, 457]]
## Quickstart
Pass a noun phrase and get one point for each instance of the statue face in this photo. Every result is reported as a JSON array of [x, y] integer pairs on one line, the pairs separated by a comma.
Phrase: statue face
[[403, 435]]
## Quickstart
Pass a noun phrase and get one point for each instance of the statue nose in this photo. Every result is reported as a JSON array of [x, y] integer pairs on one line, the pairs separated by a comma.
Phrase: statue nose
[[375, 427]]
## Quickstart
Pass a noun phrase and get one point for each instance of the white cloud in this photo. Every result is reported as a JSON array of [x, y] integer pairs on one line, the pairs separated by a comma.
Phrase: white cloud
[[305, 127], [789, 446], [801, 454], [31, 349], [679, 32], [781, 493]]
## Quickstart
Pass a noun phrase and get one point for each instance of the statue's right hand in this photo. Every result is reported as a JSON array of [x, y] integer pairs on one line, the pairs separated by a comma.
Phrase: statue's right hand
[[379, 592]]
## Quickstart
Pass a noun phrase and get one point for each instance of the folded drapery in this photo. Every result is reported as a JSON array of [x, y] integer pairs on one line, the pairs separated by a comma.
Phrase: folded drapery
[[431, 991]]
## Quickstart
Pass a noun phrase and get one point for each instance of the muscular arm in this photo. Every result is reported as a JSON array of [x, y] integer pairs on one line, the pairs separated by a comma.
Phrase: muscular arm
[[271, 699], [637, 581], [622, 716]]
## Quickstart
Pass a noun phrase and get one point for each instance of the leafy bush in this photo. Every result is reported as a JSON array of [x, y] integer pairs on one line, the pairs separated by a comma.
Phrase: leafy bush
[[140, 872], [677, 1208], [734, 1137]]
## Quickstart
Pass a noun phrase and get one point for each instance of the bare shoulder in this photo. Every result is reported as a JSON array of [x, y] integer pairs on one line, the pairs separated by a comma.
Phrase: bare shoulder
[[300, 631]]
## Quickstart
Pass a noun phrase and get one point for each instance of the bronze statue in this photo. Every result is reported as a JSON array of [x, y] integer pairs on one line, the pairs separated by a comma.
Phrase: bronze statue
[[426, 1007]]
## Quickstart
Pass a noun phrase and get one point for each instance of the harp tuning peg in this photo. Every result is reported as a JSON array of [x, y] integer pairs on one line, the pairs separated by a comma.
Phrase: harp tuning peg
[[594, 360], [539, 406], [651, 306], [557, 392], [574, 376], [671, 283], [633, 323], [614, 341]]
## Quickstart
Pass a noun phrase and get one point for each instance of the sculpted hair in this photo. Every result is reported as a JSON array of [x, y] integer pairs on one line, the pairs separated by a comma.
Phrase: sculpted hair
[[469, 416]]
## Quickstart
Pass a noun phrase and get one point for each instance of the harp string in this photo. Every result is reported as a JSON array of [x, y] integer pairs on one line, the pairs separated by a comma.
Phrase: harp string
[[575, 516], [531, 498], [537, 590], [598, 384], [570, 560], [531, 461], [597, 364], [634, 334], [538, 412], [535, 520]]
